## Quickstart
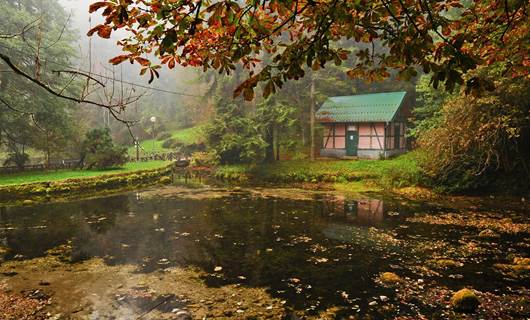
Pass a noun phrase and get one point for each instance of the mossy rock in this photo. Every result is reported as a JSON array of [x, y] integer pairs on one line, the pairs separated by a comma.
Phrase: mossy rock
[[28, 202], [520, 268], [165, 180], [444, 263], [4, 251], [390, 278], [488, 234], [521, 261], [40, 190], [465, 300]]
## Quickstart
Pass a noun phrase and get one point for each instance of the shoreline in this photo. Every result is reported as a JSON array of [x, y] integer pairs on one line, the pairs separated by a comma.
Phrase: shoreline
[[360, 182], [37, 192]]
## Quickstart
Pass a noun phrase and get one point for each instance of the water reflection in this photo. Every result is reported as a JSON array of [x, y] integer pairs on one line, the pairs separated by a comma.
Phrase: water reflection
[[329, 244], [365, 211]]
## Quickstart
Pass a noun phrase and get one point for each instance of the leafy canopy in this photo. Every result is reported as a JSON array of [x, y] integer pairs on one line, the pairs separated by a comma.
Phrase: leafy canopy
[[447, 38], [29, 116]]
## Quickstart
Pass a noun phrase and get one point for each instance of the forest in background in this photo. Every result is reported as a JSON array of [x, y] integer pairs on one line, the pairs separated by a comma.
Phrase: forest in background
[[464, 140]]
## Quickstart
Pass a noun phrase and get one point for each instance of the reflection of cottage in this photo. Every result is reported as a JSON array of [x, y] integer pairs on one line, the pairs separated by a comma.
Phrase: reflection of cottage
[[364, 126], [370, 211], [366, 211]]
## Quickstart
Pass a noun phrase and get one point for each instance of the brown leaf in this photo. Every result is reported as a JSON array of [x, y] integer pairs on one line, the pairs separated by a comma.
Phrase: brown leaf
[[98, 5], [118, 59], [143, 61], [103, 31]]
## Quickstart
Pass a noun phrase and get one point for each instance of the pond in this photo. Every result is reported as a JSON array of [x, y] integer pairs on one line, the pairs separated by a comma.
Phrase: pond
[[310, 253]]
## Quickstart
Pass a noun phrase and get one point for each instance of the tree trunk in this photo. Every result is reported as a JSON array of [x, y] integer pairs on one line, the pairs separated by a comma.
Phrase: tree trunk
[[312, 118], [47, 152], [304, 142], [269, 139], [277, 143]]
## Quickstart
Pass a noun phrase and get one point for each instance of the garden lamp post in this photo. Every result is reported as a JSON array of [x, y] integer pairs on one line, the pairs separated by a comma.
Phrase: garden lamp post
[[137, 145], [153, 121]]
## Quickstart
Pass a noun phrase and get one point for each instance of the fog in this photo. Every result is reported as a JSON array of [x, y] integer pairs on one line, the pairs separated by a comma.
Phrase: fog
[[99, 51]]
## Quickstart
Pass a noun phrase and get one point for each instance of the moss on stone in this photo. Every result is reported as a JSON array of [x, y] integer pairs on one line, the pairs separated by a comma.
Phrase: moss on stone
[[520, 268], [165, 180], [488, 234], [40, 191], [444, 263], [465, 300], [521, 261], [390, 278]]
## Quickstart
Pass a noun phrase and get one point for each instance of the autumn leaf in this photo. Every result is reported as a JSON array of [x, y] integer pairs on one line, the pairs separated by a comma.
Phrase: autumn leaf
[[98, 5], [118, 59], [228, 32], [103, 31], [143, 61]]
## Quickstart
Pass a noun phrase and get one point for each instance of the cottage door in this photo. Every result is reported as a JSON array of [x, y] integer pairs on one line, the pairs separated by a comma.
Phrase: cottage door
[[352, 143]]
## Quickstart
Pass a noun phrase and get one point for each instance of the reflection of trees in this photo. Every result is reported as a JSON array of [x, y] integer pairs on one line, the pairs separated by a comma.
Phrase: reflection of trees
[[100, 214], [252, 224], [40, 228], [233, 232]]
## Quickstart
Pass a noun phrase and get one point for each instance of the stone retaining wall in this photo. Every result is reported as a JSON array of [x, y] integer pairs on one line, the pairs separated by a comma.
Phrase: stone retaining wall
[[43, 190]]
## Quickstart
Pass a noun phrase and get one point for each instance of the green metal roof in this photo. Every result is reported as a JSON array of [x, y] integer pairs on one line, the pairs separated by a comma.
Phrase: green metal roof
[[374, 107]]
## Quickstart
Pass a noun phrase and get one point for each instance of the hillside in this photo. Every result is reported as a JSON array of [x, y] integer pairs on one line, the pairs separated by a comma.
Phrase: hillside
[[185, 136]]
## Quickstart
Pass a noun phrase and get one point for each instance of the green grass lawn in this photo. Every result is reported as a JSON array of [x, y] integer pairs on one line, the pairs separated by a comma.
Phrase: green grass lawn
[[396, 172], [29, 177], [189, 135], [185, 136]]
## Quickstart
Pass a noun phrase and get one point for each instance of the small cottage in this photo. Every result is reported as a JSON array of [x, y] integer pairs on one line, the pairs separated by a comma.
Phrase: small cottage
[[365, 126]]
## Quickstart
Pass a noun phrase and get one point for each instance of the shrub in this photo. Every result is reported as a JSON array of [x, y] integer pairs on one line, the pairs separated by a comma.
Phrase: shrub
[[99, 151], [481, 142], [234, 137], [189, 149], [203, 159], [163, 136], [19, 159], [169, 143]]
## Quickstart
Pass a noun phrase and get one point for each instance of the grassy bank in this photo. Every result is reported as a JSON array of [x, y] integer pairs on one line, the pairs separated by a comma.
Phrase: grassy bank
[[48, 176], [399, 172], [185, 136], [37, 187]]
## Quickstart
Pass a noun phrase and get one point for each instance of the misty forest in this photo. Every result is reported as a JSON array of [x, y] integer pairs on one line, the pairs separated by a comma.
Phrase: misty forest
[[293, 159]]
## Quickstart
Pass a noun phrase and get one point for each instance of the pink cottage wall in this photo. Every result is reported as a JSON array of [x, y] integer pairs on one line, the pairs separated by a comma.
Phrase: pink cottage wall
[[372, 136]]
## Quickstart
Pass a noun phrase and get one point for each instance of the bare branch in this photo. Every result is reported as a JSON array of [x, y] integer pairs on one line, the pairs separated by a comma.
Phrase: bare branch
[[120, 105], [22, 33], [81, 74]]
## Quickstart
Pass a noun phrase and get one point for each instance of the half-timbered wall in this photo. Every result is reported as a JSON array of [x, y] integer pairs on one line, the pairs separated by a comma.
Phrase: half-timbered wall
[[371, 136], [334, 136], [390, 131]]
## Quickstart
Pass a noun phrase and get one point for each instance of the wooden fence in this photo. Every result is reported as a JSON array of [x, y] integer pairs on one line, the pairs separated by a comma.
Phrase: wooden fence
[[165, 156], [63, 164]]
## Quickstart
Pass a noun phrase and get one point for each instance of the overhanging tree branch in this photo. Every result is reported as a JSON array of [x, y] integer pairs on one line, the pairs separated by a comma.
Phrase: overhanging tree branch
[[111, 107]]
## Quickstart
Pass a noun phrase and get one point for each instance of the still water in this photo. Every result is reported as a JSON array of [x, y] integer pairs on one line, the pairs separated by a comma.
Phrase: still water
[[313, 252]]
